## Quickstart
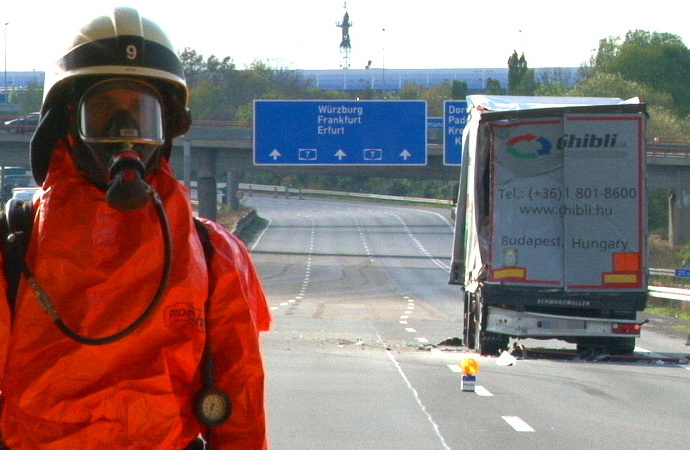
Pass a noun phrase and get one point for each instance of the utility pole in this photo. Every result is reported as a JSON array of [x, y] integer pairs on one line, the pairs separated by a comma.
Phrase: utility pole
[[7, 100]]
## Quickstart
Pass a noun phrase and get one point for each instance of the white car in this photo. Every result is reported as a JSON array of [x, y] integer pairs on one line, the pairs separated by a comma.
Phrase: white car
[[25, 193]]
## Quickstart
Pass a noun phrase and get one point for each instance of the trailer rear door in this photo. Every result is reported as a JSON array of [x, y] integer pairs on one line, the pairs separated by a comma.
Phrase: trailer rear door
[[567, 201]]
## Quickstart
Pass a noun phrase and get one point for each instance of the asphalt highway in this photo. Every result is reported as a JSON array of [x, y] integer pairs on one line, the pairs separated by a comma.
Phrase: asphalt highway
[[359, 355]]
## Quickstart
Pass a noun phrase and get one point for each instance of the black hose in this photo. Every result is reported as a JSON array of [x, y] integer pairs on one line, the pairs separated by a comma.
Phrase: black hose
[[49, 307]]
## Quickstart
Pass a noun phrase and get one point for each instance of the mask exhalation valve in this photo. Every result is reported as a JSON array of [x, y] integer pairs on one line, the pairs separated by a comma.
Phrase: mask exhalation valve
[[127, 189]]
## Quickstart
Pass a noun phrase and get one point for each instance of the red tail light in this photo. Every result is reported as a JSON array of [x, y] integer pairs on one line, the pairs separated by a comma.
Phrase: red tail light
[[626, 328]]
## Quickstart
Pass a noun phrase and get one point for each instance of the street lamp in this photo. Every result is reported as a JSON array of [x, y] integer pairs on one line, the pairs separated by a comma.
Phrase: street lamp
[[5, 40], [383, 58]]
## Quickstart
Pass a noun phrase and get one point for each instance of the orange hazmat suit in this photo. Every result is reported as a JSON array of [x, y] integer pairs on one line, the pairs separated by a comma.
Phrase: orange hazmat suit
[[101, 268]]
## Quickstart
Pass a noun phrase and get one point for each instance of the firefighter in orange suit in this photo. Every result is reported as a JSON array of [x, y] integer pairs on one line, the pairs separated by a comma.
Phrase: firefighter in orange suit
[[125, 332]]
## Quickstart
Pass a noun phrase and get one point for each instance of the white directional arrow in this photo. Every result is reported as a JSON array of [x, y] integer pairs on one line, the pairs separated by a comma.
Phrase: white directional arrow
[[275, 154], [405, 154], [340, 155]]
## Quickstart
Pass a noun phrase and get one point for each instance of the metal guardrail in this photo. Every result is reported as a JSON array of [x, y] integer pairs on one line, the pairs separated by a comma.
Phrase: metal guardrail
[[288, 191], [663, 272], [671, 293]]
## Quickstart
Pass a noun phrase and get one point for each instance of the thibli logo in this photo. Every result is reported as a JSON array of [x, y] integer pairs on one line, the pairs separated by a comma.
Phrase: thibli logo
[[587, 141], [523, 146]]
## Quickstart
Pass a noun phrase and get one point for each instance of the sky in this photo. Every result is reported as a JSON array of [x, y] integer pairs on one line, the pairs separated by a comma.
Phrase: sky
[[396, 34]]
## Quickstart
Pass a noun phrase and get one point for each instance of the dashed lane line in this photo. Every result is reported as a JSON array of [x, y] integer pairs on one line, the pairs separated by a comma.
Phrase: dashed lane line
[[518, 424]]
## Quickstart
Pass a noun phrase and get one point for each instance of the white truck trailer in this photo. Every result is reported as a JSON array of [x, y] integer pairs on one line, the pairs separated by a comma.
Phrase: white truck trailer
[[550, 233]]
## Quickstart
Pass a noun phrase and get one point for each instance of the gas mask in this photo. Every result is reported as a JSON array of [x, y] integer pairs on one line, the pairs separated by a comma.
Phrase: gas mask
[[120, 125]]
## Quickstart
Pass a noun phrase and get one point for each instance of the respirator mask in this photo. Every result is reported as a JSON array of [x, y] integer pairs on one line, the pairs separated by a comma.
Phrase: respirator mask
[[120, 125]]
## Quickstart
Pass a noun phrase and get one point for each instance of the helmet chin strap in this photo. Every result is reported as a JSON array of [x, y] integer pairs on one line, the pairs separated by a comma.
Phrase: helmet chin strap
[[127, 189]]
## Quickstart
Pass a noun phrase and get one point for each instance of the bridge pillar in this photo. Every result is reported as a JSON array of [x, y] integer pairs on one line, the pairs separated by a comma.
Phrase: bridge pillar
[[231, 187], [679, 211], [206, 183], [187, 163]]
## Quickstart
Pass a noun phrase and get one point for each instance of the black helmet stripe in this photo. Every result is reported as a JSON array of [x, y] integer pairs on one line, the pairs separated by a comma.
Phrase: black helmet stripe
[[122, 51]]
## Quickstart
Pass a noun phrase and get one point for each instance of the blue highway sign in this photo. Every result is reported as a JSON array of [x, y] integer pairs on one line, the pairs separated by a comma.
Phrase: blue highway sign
[[683, 273], [455, 117], [344, 132]]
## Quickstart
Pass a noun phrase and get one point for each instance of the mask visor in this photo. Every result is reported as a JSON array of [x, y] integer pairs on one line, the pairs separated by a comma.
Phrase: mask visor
[[121, 111]]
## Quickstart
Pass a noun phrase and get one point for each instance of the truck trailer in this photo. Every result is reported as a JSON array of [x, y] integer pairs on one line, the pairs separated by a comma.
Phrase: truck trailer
[[550, 228]]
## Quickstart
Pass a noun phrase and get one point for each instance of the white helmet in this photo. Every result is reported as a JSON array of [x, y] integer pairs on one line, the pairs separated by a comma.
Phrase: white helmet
[[120, 45]]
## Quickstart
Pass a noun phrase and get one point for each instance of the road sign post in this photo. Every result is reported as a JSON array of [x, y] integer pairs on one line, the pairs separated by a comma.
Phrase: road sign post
[[340, 132]]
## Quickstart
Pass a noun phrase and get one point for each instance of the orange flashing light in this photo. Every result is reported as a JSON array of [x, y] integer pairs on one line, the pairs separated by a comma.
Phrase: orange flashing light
[[469, 366]]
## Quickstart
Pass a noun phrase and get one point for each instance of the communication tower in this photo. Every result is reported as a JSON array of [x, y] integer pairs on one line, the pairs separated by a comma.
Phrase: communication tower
[[345, 42]]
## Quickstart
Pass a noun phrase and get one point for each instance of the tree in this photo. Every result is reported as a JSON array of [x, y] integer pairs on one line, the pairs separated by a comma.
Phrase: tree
[[520, 77], [662, 122], [458, 90], [30, 99], [493, 87], [410, 91], [435, 96], [221, 92], [607, 52], [659, 60]]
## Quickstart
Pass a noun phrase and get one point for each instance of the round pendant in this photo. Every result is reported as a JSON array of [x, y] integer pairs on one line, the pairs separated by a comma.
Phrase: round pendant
[[213, 407]]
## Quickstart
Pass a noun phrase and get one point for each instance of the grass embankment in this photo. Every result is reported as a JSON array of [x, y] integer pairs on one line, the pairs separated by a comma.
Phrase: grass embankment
[[245, 222]]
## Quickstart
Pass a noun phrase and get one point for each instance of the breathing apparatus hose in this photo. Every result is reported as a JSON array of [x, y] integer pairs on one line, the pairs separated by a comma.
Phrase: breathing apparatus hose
[[49, 307]]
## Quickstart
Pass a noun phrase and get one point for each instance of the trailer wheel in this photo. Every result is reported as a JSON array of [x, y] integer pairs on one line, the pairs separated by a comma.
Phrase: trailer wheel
[[469, 324], [484, 342], [621, 346], [491, 344]]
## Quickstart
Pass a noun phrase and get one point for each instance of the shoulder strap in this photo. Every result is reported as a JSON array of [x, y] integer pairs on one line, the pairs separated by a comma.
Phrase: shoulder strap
[[15, 228], [205, 238]]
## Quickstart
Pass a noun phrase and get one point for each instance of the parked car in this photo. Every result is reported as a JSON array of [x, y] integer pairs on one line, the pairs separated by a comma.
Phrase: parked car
[[25, 193], [21, 125]]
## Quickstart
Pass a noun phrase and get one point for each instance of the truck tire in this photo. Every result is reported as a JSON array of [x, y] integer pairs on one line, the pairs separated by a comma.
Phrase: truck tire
[[620, 346], [468, 330], [477, 338], [491, 344]]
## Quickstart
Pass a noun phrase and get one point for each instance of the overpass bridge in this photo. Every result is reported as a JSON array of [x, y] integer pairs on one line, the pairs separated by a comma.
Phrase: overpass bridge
[[211, 149]]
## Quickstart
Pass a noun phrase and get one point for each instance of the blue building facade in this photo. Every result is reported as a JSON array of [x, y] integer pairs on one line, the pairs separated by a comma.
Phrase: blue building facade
[[372, 78], [395, 79]]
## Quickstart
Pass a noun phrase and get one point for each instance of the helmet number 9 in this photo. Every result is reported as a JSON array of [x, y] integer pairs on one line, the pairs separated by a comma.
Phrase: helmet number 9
[[131, 52]]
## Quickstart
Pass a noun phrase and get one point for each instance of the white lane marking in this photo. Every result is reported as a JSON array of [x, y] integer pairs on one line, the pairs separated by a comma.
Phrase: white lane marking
[[454, 368], [419, 245], [517, 423], [423, 340], [402, 322], [416, 396], [410, 330], [482, 391], [258, 239]]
